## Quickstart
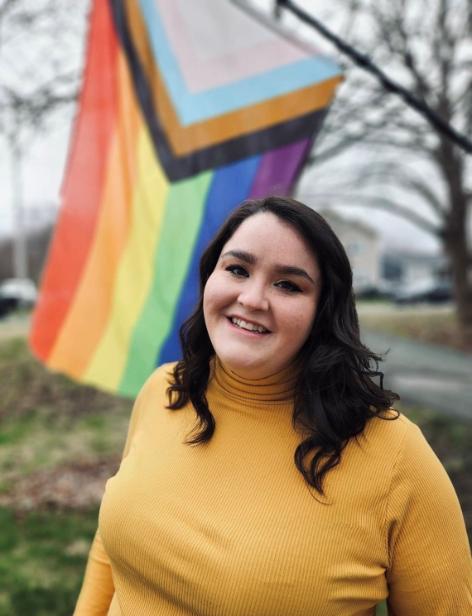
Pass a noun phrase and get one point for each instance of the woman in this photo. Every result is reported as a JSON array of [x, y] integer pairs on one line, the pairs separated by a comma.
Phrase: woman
[[297, 491]]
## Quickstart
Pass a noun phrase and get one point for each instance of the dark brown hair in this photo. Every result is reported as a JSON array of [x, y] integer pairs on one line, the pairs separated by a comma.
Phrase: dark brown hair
[[335, 394]]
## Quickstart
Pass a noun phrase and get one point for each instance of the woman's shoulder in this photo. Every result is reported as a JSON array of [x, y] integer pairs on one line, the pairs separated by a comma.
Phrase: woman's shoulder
[[392, 429], [395, 460], [401, 441]]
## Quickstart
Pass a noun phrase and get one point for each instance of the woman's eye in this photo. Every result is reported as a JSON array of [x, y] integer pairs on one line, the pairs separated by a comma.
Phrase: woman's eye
[[236, 270], [286, 285]]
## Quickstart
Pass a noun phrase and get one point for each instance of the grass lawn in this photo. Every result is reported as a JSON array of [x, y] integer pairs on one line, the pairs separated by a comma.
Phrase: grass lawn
[[59, 442], [42, 558], [433, 324], [50, 423]]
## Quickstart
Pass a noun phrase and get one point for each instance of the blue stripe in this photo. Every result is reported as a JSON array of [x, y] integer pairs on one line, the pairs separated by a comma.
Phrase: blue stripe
[[217, 101], [230, 185]]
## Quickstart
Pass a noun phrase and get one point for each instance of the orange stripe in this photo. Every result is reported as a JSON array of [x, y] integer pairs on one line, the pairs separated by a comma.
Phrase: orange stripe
[[89, 313], [83, 187], [185, 140]]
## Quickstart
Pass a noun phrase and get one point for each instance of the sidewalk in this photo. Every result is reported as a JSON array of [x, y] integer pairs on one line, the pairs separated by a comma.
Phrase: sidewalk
[[424, 374]]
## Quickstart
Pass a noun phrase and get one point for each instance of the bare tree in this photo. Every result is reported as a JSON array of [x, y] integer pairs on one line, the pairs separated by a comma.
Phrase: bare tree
[[393, 159], [40, 62]]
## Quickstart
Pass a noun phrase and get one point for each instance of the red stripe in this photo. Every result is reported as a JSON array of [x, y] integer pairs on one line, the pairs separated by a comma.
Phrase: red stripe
[[83, 184]]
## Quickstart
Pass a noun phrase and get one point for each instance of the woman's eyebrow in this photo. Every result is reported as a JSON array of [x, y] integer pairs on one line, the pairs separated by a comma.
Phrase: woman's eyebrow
[[292, 270], [249, 258]]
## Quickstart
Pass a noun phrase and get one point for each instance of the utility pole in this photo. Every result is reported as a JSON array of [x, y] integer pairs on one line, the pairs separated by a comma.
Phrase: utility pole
[[20, 254]]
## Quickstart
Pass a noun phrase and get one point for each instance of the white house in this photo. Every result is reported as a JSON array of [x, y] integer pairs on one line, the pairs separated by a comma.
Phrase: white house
[[362, 244], [409, 267]]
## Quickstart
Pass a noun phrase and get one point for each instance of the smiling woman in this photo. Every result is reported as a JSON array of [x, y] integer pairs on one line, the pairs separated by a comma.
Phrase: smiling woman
[[298, 490], [259, 311]]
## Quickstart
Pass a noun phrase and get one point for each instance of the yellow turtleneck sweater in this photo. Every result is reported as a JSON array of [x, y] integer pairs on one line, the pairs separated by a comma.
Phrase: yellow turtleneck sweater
[[230, 528]]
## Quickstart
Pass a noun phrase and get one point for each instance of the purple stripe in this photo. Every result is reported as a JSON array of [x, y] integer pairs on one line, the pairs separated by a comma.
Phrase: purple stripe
[[279, 169]]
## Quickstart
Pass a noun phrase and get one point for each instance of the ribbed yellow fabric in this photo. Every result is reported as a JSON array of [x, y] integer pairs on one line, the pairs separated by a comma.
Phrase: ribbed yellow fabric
[[230, 528]]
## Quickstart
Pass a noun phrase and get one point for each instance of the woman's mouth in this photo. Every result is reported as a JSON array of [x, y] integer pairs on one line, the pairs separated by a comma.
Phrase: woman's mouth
[[248, 326]]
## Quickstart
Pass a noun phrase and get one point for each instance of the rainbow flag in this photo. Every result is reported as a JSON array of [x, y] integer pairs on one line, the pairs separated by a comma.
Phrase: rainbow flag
[[186, 109]]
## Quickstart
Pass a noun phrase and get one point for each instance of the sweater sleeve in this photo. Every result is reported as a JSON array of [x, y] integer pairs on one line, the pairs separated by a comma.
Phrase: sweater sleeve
[[98, 588], [430, 568]]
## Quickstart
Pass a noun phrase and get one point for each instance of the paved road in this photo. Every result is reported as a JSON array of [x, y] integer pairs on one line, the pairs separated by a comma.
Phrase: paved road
[[428, 375]]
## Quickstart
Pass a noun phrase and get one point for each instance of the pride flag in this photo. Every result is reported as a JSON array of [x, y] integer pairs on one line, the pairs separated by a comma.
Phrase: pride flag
[[186, 109]]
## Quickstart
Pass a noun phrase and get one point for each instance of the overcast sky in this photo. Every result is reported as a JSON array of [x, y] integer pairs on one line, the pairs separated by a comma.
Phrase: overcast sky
[[43, 168]]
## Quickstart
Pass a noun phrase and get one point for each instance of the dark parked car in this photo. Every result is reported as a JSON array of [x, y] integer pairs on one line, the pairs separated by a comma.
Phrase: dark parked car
[[430, 293], [380, 291], [16, 293]]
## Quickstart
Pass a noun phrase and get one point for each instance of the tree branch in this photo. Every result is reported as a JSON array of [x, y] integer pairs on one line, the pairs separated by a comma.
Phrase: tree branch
[[393, 176], [382, 203]]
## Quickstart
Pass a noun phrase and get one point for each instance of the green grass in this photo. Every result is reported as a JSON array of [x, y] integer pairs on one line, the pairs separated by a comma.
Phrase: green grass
[[40, 440], [431, 324], [42, 558], [48, 420], [48, 423]]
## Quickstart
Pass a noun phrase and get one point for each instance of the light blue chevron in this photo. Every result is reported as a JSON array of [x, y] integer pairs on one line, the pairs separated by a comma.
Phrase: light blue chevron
[[202, 106]]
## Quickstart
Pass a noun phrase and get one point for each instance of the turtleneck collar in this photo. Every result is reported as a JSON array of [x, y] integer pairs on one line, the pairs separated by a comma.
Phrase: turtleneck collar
[[270, 390]]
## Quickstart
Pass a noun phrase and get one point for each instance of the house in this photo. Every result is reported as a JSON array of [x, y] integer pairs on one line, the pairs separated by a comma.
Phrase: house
[[407, 268], [362, 245]]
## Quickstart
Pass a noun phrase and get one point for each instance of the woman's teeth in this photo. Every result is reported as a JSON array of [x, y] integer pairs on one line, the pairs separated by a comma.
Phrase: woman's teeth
[[249, 326]]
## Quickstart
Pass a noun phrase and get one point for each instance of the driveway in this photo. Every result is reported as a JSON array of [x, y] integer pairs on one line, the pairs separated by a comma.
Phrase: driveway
[[424, 374]]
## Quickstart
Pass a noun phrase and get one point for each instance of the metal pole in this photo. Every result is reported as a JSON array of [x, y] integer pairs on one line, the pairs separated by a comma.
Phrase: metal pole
[[364, 61], [20, 255]]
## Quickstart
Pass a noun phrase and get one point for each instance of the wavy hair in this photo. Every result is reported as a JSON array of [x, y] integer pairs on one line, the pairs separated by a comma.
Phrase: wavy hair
[[335, 394]]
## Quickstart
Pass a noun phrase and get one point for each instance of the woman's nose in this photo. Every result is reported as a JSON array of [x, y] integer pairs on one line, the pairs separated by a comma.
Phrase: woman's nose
[[253, 297]]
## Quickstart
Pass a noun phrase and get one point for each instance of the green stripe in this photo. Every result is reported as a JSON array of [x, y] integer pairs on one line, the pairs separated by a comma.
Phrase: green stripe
[[182, 219]]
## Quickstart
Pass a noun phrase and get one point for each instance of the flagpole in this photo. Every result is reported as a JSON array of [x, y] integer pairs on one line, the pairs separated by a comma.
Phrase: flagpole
[[364, 62]]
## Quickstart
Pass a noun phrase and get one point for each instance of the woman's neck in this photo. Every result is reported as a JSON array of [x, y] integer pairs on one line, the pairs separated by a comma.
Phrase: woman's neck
[[274, 388]]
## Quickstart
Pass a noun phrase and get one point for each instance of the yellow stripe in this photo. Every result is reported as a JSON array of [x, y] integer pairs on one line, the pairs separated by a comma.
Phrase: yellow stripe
[[135, 272], [89, 311]]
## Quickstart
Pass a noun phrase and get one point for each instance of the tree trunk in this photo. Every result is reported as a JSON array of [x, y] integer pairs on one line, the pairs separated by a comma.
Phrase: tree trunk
[[462, 277], [456, 238]]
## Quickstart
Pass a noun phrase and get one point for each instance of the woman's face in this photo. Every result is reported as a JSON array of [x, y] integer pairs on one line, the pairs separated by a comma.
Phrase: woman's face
[[260, 301]]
